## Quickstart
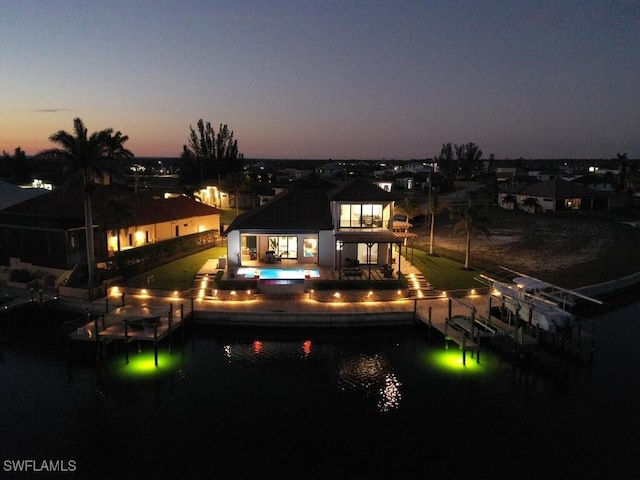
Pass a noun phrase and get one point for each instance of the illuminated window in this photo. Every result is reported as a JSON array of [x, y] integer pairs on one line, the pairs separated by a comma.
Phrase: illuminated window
[[573, 203], [362, 253], [286, 247], [310, 247], [363, 216]]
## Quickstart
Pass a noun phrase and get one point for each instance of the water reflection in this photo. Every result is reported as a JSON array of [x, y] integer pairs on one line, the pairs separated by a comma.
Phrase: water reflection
[[328, 403], [262, 351], [371, 374], [390, 394]]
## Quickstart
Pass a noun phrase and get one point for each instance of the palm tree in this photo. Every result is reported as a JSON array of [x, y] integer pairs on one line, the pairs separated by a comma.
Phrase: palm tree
[[409, 207], [85, 156], [468, 222], [511, 200], [531, 203], [435, 207], [117, 209], [236, 181], [622, 158]]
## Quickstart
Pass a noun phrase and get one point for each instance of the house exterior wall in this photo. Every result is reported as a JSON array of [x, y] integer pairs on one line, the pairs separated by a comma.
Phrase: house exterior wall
[[53, 248], [326, 248], [546, 204], [138, 235], [234, 247]]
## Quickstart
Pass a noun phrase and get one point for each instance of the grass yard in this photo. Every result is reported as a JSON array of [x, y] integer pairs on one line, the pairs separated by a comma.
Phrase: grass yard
[[177, 275], [444, 274]]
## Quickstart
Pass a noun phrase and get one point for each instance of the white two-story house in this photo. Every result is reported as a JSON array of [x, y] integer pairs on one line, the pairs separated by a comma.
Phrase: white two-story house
[[329, 225]]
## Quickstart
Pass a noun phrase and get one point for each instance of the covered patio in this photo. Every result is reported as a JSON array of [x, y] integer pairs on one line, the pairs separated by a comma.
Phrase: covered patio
[[380, 259]]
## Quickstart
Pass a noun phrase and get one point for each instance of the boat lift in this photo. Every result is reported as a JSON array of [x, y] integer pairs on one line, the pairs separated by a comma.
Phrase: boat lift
[[561, 297], [525, 293]]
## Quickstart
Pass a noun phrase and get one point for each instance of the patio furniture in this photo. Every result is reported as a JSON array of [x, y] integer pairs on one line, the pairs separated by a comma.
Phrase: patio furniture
[[387, 271], [351, 262], [352, 272]]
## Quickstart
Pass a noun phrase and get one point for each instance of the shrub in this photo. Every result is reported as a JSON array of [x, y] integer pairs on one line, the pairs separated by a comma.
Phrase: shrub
[[22, 275]]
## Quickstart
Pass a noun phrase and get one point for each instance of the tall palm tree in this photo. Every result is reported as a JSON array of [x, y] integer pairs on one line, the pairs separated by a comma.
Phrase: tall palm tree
[[85, 156], [236, 181], [468, 222], [115, 152], [117, 210], [435, 207], [622, 158], [409, 207]]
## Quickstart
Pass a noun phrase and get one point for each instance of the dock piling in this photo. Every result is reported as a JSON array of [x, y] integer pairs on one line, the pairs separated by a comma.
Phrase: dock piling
[[126, 341], [155, 342]]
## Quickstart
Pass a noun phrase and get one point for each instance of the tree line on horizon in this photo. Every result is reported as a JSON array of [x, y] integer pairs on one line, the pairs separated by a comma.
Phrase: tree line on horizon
[[207, 156], [86, 157]]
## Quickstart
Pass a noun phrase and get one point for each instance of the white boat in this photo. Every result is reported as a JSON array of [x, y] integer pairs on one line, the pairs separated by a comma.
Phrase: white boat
[[533, 286], [539, 311]]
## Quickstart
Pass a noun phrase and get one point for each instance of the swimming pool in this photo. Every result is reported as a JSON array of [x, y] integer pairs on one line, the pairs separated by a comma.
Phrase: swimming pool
[[278, 273]]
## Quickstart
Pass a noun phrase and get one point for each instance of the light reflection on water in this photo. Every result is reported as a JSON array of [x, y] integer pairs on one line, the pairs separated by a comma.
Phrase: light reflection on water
[[343, 404], [371, 375]]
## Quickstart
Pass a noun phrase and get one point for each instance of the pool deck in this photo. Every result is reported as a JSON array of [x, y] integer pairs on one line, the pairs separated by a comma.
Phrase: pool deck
[[280, 311], [104, 319]]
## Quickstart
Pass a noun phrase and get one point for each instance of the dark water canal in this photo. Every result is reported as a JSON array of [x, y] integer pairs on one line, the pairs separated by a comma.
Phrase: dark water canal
[[252, 404]]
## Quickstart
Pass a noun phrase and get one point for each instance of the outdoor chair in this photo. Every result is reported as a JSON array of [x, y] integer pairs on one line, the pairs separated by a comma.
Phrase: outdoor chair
[[387, 271]]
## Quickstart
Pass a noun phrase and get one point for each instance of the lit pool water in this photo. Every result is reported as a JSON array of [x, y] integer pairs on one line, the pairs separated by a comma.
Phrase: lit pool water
[[278, 273]]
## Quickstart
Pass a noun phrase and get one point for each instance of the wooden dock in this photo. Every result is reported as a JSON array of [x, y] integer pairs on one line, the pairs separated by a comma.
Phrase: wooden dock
[[452, 329], [19, 299], [128, 323], [467, 329]]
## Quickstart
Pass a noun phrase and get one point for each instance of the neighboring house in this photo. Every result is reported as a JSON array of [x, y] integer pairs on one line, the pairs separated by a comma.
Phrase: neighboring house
[[11, 194], [325, 226], [596, 182], [49, 230], [557, 194], [157, 219]]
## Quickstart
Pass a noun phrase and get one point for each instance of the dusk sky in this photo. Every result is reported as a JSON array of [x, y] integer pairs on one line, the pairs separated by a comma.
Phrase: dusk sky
[[327, 79]]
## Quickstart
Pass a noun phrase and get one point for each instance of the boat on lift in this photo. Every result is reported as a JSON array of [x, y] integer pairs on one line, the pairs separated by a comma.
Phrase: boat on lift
[[545, 290], [530, 307]]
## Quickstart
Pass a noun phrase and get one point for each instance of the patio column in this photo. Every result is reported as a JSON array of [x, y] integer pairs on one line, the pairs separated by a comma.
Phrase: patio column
[[339, 245]]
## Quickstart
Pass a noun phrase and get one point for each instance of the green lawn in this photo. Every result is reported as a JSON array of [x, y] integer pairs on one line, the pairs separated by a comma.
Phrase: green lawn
[[442, 273], [176, 275]]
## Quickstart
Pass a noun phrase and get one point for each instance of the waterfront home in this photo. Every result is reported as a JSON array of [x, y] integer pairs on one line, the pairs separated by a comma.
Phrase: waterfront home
[[49, 230], [555, 195], [338, 225]]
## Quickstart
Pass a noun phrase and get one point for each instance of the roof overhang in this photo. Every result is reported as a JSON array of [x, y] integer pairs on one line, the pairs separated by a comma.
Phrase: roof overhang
[[382, 236], [275, 231]]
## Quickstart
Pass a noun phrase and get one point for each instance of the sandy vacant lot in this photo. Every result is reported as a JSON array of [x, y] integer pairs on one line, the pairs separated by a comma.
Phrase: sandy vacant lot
[[570, 249]]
